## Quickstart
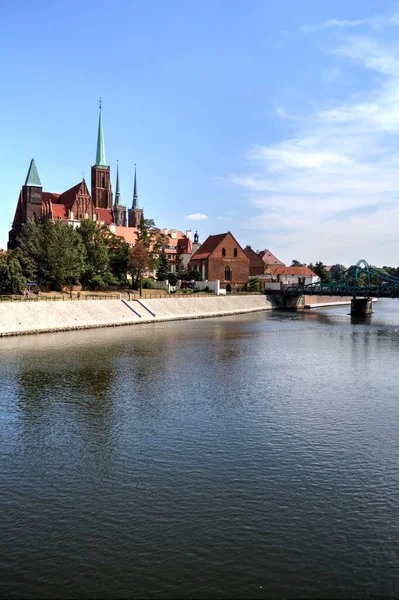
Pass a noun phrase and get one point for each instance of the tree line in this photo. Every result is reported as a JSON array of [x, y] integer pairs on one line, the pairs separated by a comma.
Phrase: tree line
[[56, 256]]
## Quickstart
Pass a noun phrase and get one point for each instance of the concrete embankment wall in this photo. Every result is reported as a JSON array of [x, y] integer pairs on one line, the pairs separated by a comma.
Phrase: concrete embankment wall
[[320, 301], [17, 318]]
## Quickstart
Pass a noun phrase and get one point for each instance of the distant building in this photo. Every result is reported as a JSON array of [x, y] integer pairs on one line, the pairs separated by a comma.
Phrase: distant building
[[78, 202], [221, 257], [179, 248], [270, 260], [293, 275], [256, 264]]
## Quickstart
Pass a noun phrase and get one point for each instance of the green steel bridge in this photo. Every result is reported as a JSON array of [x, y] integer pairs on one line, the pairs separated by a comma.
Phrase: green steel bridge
[[359, 281]]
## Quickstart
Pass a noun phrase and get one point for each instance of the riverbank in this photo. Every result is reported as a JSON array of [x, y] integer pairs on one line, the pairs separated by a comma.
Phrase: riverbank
[[22, 318]]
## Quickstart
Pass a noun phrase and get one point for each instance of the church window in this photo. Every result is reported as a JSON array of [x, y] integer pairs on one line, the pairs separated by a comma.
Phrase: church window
[[227, 274], [223, 251], [103, 182], [34, 217], [235, 251]]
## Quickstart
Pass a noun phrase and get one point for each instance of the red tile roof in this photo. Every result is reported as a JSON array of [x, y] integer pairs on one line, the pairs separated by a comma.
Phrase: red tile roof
[[18, 212], [105, 215], [59, 211], [210, 244], [293, 271], [50, 196], [128, 233], [269, 258]]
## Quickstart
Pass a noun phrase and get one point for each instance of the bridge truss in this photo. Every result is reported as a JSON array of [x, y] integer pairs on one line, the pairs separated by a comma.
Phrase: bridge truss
[[360, 280]]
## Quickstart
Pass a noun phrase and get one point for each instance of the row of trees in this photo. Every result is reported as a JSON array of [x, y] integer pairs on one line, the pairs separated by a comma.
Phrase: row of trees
[[56, 256], [320, 269]]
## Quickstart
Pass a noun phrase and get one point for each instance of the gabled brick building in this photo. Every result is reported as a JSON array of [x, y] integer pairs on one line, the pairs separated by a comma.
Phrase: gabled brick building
[[221, 257], [78, 202], [256, 264]]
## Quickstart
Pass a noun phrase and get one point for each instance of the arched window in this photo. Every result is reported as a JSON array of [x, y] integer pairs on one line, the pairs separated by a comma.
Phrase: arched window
[[235, 251], [103, 182], [34, 217], [227, 274], [223, 251]]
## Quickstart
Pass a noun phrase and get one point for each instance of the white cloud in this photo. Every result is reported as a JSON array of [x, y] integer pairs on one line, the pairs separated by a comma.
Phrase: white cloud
[[375, 22], [331, 191], [197, 217], [282, 113]]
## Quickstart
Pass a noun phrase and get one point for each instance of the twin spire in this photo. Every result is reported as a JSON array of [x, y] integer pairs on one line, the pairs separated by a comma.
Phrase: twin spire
[[101, 162]]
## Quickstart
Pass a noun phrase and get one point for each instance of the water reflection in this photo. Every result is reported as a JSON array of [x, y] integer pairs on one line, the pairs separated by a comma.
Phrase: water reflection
[[202, 459]]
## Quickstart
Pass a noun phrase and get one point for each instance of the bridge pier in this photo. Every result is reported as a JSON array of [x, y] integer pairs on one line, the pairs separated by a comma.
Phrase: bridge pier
[[361, 307]]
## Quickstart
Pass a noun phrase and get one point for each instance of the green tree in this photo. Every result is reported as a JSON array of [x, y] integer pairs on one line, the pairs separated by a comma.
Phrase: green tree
[[195, 275], [53, 252], [172, 278], [254, 285], [182, 272], [139, 263], [320, 270], [12, 280], [144, 257], [163, 266], [337, 271], [99, 242], [296, 263]]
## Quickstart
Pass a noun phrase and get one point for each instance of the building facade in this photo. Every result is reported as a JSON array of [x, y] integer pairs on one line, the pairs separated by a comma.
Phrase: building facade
[[221, 257], [77, 203], [256, 264]]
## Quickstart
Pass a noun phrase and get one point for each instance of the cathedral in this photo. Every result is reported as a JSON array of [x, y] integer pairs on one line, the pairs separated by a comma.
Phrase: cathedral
[[79, 202]]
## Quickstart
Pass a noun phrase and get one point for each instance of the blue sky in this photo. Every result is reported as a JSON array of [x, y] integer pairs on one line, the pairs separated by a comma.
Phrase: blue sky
[[278, 121]]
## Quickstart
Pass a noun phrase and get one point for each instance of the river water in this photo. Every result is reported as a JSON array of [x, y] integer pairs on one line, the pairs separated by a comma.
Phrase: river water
[[253, 456]]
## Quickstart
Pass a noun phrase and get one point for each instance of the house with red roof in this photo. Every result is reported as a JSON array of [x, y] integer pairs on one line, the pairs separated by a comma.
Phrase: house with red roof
[[180, 247], [270, 259], [77, 203], [222, 258]]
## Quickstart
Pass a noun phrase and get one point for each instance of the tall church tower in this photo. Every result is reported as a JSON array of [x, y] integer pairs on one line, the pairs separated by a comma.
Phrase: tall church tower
[[32, 195], [101, 190], [135, 213], [118, 210]]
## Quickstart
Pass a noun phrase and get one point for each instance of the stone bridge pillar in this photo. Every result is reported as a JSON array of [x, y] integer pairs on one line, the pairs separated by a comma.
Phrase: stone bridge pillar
[[361, 307]]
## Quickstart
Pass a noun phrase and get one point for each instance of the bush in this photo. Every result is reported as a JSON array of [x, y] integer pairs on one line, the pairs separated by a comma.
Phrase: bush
[[172, 278], [187, 291], [254, 285], [147, 283], [196, 275]]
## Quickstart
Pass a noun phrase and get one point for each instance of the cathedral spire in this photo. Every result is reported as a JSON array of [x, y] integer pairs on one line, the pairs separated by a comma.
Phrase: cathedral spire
[[117, 192], [32, 177], [135, 197], [100, 156]]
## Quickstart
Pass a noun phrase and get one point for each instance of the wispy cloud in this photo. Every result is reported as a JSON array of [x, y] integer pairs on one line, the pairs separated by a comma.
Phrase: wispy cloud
[[197, 217], [331, 191], [374, 22]]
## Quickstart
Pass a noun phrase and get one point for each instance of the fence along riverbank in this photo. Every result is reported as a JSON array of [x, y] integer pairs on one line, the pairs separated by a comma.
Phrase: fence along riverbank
[[21, 318]]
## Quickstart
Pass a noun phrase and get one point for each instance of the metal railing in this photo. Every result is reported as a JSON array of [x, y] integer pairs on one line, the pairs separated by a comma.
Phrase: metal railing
[[125, 295]]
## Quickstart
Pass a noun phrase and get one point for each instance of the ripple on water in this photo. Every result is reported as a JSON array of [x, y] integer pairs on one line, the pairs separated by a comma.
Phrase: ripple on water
[[253, 456]]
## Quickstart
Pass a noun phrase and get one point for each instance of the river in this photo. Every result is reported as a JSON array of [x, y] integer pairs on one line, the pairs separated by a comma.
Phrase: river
[[254, 456]]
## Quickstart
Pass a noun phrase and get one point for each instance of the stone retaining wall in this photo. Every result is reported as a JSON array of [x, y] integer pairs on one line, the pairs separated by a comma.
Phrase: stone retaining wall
[[17, 318]]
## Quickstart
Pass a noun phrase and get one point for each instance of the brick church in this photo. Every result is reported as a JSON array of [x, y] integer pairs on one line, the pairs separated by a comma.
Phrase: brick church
[[77, 203]]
